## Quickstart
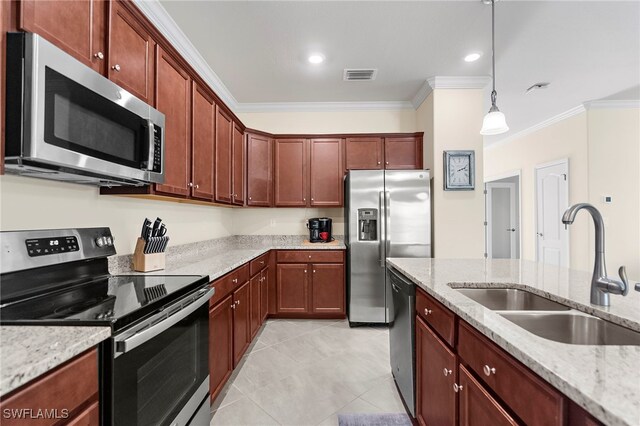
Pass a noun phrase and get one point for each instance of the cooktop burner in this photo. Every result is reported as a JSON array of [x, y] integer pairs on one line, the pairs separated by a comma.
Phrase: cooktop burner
[[118, 300]]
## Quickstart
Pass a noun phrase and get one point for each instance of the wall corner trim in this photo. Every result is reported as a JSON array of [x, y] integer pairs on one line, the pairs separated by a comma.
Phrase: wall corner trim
[[546, 123]]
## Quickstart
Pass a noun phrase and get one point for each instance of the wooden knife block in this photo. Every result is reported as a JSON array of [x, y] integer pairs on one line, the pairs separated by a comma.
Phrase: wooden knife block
[[146, 262]]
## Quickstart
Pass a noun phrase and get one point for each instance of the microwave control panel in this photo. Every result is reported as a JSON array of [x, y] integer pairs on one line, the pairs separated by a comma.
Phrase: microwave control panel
[[46, 246], [157, 150]]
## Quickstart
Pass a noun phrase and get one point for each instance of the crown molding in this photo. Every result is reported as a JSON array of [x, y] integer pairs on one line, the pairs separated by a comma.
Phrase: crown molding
[[158, 15], [612, 104], [323, 106], [546, 123], [448, 82]]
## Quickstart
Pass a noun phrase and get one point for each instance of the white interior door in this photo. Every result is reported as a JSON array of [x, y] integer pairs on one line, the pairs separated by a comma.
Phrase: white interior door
[[552, 199], [501, 220]]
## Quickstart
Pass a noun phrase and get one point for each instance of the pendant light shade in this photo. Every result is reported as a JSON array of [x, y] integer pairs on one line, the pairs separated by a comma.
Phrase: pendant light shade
[[494, 122]]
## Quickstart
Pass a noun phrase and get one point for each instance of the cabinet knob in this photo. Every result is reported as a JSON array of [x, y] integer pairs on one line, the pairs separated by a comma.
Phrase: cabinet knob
[[235, 281], [305, 271], [249, 198], [427, 311], [457, 388], [447, 372], [314, 271], [99, 55], [116, 68], [488, 371], [378, 163], [190, 185], [233, 306], [387, 163], [238, 302], [262, 262], [304, 199], [309, 256]]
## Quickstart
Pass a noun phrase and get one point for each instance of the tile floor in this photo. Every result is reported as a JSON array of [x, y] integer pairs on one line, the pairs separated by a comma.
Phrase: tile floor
[[305, 372]]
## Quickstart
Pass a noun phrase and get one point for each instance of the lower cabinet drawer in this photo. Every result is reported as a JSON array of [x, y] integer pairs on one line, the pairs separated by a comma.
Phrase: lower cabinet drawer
[[533, 400], [229, 283], [310, 256], [259, 263], [477, 406], [65, 390], [437, 316]]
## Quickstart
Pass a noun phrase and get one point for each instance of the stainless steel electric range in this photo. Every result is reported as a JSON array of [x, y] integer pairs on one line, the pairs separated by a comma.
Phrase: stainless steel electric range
[[154, 369]]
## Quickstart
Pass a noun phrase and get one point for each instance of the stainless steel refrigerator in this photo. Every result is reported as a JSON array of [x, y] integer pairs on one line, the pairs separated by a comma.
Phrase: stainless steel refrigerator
[[387, 214]]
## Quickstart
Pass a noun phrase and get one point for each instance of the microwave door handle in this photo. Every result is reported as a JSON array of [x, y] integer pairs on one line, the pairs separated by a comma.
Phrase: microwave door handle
[[151, 142], [147, 334]]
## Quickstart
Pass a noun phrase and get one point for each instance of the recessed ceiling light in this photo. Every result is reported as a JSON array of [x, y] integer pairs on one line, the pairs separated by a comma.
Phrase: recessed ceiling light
[[316, 58], [472, 57]]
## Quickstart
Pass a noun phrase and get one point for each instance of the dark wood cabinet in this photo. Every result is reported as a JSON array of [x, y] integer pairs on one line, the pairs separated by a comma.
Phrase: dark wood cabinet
[[326, 172], [77, 27], [477, 406], [291, 172], [203, 112], [264, 294], [403, 153], [292, 288], [224, 152], [254, 315], [73, 386], [241, 322], [328, 295], [220, 345], [435, 377], [259, 170], [131, 51], [364, 153], [237, 167], [173, 94]]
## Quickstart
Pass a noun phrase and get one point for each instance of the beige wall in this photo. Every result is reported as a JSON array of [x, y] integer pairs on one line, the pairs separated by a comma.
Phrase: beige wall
[[603, 151], [288, 221], [455, 116], [332, 122], [614, 169], [27, 203]]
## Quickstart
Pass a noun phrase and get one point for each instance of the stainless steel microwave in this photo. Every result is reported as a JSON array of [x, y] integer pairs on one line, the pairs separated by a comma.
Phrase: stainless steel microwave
[[64, 121]]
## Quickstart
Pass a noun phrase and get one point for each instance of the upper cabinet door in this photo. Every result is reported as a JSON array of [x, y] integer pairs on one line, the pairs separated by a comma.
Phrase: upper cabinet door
[[364, 153], [77, 27], [173, 91], [291, 172], [224, 135], [403, 153], [259, 171], [131, 53], [239, 155], [326, 172], [203, 143]]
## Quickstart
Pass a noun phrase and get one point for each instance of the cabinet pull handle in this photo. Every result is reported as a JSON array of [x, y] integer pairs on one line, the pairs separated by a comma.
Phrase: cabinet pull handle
[[457, 388], [99, 55], [262, 262], [488, 371], [235, 281], [116, 68], [427, 311], [447, 372]]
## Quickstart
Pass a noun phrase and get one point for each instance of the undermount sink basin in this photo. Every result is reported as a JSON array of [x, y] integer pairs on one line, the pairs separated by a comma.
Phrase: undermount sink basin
[[574, 328], [511, 299]]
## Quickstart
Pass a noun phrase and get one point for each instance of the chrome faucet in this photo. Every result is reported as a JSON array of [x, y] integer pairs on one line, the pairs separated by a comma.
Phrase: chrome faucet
[[601, 285]]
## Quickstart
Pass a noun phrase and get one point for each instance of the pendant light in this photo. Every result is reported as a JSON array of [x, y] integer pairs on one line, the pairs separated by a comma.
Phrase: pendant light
[[494, 122]]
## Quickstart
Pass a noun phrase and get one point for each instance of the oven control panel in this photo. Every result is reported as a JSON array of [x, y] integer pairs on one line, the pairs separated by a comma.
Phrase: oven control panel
[[56, 245]]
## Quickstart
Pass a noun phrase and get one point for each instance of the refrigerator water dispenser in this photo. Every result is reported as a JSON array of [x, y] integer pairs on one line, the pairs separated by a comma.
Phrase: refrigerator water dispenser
[[368, 224]]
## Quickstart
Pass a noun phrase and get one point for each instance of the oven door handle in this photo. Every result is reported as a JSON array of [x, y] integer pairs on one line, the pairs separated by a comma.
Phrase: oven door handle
[[147, 334]]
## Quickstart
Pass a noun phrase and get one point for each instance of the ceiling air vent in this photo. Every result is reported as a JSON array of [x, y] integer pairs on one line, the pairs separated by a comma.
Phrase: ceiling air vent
[[359, 74]]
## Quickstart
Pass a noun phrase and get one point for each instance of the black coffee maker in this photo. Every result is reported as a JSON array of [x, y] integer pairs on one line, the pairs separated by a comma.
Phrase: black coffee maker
[[319, 230]]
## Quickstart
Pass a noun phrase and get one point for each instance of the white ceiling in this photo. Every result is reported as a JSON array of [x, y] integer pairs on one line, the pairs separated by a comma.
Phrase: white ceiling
[[587, 49]]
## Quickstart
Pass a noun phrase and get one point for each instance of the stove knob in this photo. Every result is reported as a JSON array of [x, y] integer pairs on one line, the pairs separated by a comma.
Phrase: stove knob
[[101, 241], [109, 240]]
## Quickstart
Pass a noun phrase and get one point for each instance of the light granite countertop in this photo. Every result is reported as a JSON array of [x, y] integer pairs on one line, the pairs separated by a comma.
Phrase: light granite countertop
[[222, 255], [604, 380], [26, 352]]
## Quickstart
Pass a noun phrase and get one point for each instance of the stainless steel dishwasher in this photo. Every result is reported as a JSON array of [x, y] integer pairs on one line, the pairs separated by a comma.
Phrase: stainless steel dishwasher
[[402, 336]]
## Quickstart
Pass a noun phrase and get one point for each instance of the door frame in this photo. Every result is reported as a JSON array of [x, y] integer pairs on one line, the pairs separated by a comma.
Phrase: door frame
[[536, 169], [488, 179], [513, 218]]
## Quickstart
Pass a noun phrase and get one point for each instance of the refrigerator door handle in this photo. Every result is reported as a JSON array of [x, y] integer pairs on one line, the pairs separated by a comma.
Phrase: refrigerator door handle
[[387, 219], [382, 231]]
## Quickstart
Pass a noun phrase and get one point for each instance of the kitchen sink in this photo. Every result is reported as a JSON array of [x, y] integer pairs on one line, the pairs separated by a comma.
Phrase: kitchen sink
[[511, 299], [573, 327]]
